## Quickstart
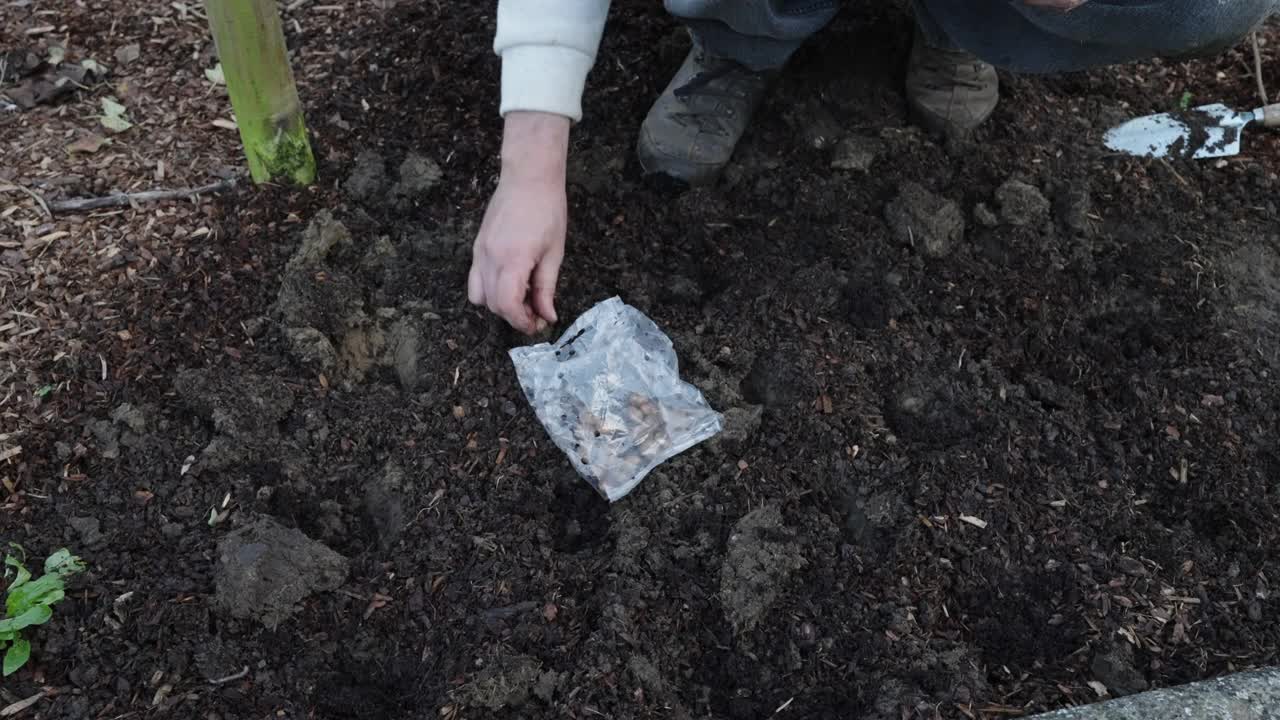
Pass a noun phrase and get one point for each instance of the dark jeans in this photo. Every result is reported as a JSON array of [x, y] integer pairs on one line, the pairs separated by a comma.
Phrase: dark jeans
[[763, 34]]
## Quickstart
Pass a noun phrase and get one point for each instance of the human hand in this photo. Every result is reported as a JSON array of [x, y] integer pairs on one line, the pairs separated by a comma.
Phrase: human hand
[[516, 258]]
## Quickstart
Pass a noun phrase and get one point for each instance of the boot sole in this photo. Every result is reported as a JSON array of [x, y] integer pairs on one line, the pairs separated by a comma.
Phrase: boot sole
[[932, 123]]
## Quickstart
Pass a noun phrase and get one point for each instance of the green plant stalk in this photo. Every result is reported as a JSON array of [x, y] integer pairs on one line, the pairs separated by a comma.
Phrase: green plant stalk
[[251, 48], [28, 602]]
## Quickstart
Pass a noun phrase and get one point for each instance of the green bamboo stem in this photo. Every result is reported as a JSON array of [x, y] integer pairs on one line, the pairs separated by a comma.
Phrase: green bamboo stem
[[251, 48]]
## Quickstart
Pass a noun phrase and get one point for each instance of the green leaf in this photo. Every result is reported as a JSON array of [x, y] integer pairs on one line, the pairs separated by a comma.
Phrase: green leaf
[[1185, 101], [6, 635], [17, 655], [63, 563], [37, 615], [43, 391], [215, 76], [46, 590], [112, 117], [13, 566]]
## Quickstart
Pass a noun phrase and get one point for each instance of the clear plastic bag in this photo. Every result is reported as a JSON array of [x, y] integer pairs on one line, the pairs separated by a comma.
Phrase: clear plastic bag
[[609, 394]]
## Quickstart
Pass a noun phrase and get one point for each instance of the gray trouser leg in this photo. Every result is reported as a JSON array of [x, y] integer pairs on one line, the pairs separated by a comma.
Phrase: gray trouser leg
[[763, 34], [760, 34], [1013, 35]]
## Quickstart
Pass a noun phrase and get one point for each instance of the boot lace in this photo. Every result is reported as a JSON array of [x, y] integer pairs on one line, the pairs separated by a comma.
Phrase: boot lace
[[704, 85]]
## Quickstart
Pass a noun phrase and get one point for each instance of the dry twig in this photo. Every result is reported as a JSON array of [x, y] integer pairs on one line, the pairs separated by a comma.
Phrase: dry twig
[[39, 200], [231, 678], [21, 705], [122, 199]]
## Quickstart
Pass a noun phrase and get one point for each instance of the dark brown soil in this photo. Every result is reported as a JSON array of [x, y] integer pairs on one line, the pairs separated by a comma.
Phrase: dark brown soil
[[993, 466]]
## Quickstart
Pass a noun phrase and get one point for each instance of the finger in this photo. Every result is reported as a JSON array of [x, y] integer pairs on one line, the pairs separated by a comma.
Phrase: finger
[[507, 298], [475, 284], [544, 286]]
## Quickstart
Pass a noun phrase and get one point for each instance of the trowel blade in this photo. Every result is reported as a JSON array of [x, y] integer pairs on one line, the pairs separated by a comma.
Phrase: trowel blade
[[1207, 131]]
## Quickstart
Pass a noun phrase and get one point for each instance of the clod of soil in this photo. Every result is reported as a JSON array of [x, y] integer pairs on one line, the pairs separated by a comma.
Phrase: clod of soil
[[857, 153], [241, 405], [134, 418], [506, 682], [1021, 204], [761, 555], [368, 182], [1253, 277], [328, 301], [985, 216], [311, 348], [332, 324], [924, 220], [1072, 206], [1115, 669], [125, 428], [418, 174], [368, 179], [88, 529], [265, 569], [106, 437], [654, 687], [384, 505], [322, 236], [741, 423], [405, 341]]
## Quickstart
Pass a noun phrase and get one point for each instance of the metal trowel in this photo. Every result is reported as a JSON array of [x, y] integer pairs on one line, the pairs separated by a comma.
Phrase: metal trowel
[[1208, 131]]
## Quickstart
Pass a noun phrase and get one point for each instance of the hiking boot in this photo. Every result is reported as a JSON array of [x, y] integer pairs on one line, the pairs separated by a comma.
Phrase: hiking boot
[[950, 92], [693, 127]]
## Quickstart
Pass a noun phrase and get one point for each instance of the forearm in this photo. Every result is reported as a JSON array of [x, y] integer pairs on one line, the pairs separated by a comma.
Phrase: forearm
[[535, 146]]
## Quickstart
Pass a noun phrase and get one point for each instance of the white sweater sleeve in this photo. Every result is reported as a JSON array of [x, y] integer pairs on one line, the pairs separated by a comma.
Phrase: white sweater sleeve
[[547, 49]]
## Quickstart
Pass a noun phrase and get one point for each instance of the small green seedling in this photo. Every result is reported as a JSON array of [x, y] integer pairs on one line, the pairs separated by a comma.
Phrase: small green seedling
[[1184, 102], [30, 602]]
